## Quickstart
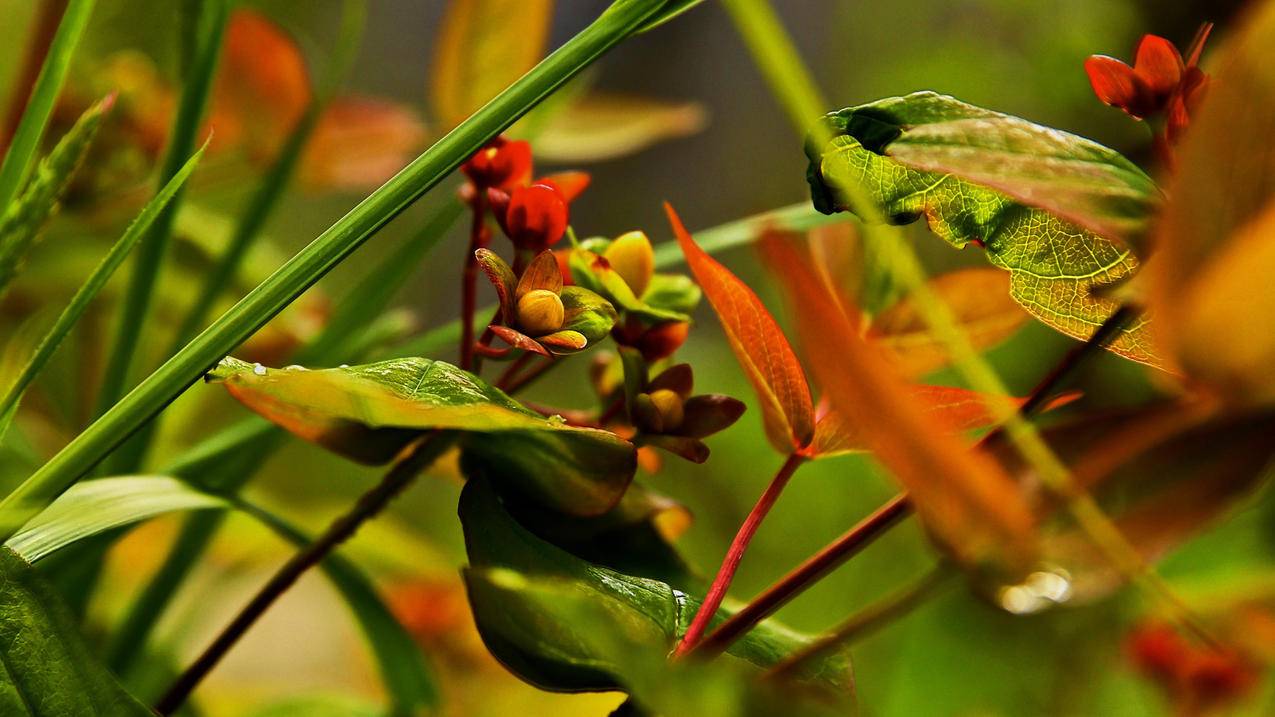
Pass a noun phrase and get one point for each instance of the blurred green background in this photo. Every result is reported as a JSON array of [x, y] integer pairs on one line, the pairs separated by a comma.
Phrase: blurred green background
[[956, 655]]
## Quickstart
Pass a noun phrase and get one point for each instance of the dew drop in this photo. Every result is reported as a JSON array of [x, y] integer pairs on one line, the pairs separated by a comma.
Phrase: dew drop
[[258, 369], [1042, 589]]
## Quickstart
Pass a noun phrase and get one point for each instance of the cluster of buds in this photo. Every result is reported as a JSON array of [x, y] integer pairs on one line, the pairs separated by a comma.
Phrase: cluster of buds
[[538, 313], [667, 415], [655, 308], [532, 213], [1199, 678], [1160, 85]]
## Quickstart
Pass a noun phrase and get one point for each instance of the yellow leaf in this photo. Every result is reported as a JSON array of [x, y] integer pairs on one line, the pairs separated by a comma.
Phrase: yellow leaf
[[483, 46], [602, 126], [1211, 290]]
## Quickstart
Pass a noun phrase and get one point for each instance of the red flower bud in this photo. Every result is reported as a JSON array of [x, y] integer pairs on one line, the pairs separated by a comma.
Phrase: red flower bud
[[535, 217], [503, 164]]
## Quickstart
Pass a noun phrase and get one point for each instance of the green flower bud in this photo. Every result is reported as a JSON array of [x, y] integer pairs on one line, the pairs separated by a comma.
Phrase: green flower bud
[[669, 406], [540, 312], [633, 258]]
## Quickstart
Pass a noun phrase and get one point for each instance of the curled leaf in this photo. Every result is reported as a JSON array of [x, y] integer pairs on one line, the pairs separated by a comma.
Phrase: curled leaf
[[926, 155]]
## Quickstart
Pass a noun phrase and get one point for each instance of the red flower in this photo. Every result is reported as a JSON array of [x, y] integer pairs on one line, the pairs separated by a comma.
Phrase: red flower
[[502, 164], [1160, 81], [535, 216]]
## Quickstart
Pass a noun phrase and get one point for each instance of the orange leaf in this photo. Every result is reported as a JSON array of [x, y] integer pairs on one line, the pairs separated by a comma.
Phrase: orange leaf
[[359, 142], [957, 409], [980, 302], [1211, 291], [759, 345], [963, 496], [263, 85]]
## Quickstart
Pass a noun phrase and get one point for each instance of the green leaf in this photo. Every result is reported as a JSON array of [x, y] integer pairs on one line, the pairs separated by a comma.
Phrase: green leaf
[[587, 313], [89, 289], [657, 686], [1071, 177], [673, 292], [24, 219], [96, 506], [26, 137], [370, 412], [528, 637], [48, 669], [1058, 270]]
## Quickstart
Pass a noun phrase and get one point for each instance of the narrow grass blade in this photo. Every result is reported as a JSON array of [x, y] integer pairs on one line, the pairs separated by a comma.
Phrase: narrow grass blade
[[24, 220], [147, 265], [80, 302], [26, 139]]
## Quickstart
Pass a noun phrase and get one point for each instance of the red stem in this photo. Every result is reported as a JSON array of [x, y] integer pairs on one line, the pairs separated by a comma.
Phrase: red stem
[[513, 369], [527, 377], [478, 237], [804, 575], [726, 573]]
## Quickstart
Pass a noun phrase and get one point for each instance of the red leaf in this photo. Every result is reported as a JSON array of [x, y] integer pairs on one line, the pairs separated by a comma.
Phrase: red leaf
[[963, 496], [1158, 65], [1113, 81], [759, 345]]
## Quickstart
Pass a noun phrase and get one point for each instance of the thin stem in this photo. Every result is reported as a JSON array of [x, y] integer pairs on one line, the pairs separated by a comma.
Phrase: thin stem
[[528, 377], [511, 372], [803, 576], [734, 554], [313, 262], [368, 505], [866, 621], [479, 236]]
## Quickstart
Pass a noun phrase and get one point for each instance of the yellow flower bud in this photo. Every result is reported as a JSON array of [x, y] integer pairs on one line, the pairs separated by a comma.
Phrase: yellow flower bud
[[633, 259], [669, 405], [540, 312]]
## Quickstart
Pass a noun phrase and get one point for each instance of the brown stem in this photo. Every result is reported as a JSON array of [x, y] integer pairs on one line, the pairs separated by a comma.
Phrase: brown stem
[[612, 411], [861, 535], [528, 377], [805, 575], [478, 238], [868, 620], [368, 505], [46, 25], [726, 573]]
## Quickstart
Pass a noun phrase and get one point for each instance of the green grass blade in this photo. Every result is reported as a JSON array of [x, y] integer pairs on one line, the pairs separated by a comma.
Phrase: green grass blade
[[309, 265], [80, 302], [26, 139], [147, 264], [96, 506], [25, 218]]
